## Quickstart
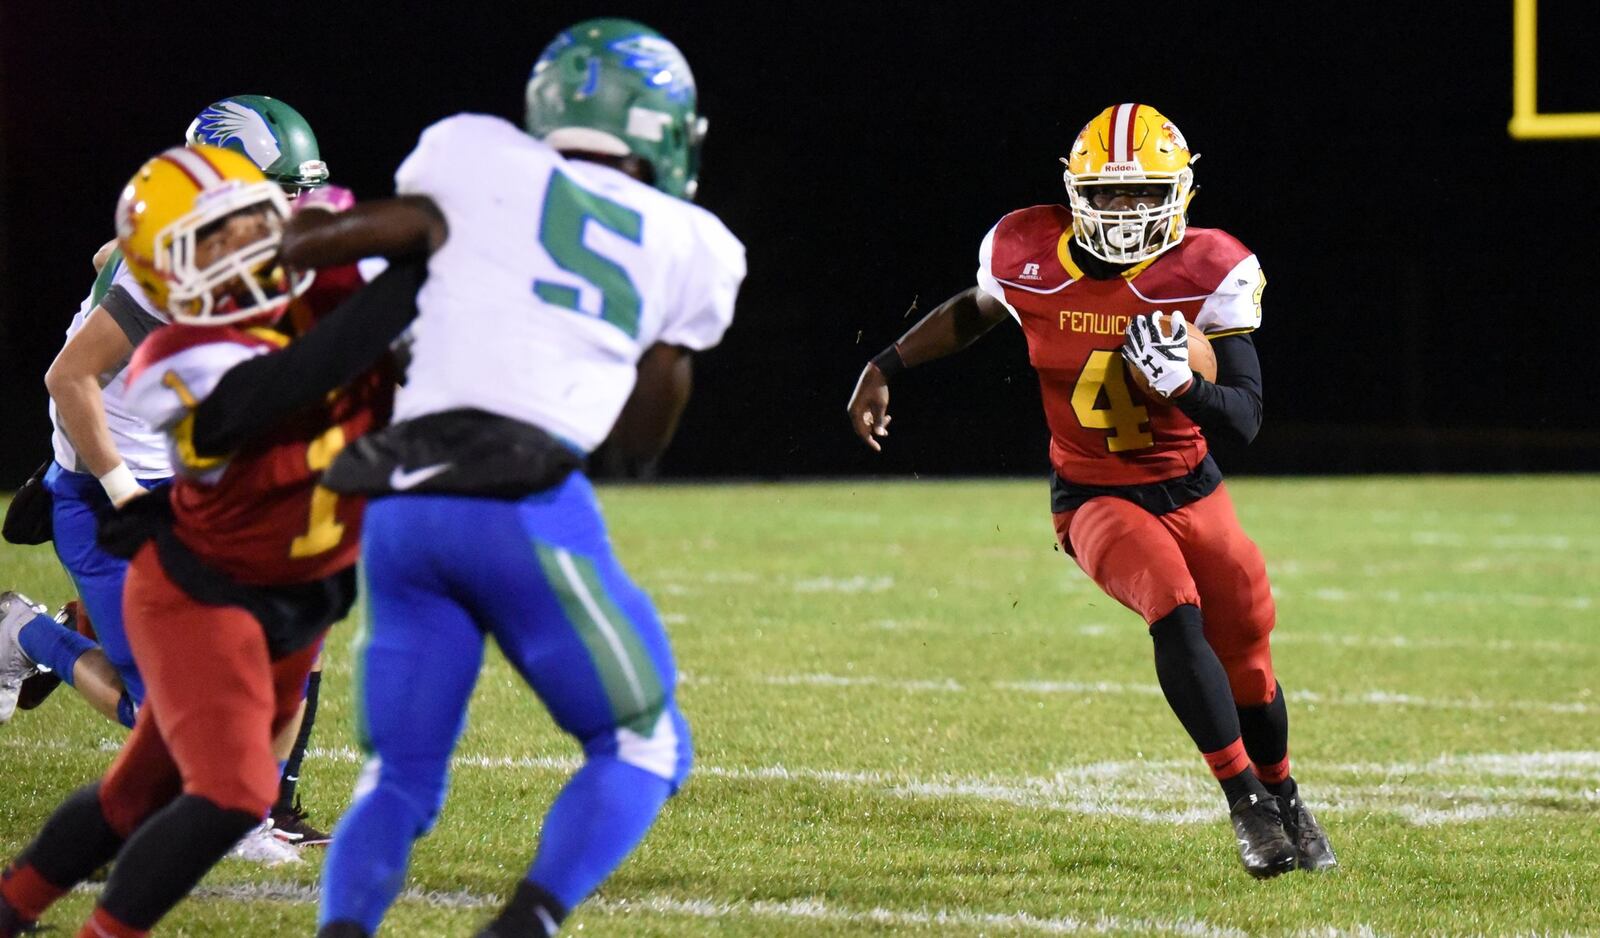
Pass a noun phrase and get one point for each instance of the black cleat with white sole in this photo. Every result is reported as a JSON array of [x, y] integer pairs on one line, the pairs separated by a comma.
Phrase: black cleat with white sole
[[1311, 845], [294, 826], [1264, 846]]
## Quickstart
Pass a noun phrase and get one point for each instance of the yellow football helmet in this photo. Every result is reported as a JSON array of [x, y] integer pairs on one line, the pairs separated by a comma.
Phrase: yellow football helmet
[[161, 216], [1129, 145]]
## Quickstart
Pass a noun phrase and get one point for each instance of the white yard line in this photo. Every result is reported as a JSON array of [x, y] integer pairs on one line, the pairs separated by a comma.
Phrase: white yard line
[[1558, 542], [842, 680], [311, 894], [1448, 789], [1406, 643], [1445, 790], [1380, 698], [1130, 631], [1177, 791], [1330, 594], [853, 584], [793, 910], [958, 920], [961, 921]]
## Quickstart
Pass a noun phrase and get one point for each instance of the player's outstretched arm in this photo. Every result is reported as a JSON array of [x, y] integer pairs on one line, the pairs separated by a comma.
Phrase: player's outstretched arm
[[398, 227], [258, 392], [952, 326]]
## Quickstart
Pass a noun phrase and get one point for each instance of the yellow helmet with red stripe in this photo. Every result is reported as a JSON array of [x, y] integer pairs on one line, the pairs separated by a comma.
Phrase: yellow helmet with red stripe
[[1129, 145], [167, 209]]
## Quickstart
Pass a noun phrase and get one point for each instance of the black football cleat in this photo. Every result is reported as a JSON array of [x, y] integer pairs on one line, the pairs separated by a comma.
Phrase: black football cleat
[[294, 826], [1313, 852], [1264, 846]]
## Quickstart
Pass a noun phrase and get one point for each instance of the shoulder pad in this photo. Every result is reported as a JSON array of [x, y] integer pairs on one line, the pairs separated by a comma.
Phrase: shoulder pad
[[171, 340], [712, 278], [448, 151], [178, 366], [1218, 267], [1206, 255], [1025, 252]]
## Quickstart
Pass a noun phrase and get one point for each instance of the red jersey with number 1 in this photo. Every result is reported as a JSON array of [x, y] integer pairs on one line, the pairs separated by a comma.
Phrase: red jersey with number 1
[[258, 514], [1103, 432]]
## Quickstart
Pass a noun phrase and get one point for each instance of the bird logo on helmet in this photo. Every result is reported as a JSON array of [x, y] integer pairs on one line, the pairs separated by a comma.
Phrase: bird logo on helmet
[[268, 131], [1129, 145], [619, 88], [172, 204]]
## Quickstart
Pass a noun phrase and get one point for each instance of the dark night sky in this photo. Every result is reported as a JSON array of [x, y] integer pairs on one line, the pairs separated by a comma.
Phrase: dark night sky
[[1429, 277]]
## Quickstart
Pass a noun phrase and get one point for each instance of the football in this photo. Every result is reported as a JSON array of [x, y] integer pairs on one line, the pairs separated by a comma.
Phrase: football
[[1202, 361]]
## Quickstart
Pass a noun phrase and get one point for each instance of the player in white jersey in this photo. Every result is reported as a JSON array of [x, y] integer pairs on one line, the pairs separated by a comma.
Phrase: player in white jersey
[[115, 457], [569, 283], [104, 455]]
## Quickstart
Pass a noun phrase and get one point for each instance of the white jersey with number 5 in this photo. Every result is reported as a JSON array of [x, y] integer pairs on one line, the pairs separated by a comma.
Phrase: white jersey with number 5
[[555, 276]]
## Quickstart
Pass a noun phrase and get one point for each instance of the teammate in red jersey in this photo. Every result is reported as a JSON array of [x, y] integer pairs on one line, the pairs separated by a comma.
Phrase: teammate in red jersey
[[240, 567], [1108, 283]]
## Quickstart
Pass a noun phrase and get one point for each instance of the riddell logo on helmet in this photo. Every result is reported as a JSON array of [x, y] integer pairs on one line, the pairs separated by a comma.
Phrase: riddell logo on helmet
[[212, 192], [1131, 167]]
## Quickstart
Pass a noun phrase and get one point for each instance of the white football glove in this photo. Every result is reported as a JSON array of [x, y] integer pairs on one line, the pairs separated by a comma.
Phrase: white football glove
[[1163, 360]]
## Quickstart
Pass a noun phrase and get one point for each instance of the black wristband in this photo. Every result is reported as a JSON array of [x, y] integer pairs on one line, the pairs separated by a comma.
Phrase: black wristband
[[889, 362]]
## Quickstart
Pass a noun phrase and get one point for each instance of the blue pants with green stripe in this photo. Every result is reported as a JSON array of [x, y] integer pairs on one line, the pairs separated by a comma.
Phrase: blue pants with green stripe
[[443, 574]]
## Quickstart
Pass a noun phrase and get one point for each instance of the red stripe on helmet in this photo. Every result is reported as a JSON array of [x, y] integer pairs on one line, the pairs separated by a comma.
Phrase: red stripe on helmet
[[198, 166], [183, 169], [1133, 111], [207, 160]]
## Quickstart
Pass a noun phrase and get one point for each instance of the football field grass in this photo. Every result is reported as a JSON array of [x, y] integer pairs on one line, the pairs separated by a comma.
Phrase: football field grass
[[913, 715]]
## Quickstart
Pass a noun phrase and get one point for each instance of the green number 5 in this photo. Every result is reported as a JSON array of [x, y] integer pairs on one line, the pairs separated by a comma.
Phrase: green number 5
[[567, 210]]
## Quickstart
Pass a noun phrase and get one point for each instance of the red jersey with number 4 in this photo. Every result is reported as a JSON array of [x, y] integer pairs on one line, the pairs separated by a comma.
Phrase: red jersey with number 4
[[258, 514], [1102, 429]]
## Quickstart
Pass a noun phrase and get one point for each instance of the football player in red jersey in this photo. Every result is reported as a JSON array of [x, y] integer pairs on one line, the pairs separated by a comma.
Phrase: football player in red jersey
[[99, 448], [245, 561], [1108, 283]]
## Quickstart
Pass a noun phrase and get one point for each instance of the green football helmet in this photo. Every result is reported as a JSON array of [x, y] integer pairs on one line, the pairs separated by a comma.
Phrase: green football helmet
[[271, 133], [619, 88]]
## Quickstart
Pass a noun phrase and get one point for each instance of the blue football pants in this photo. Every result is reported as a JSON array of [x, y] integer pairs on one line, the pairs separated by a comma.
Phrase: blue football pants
[[98, 575], [445, 572]]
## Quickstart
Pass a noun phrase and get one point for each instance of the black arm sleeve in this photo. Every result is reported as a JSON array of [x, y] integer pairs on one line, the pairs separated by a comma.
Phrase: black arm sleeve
[[257, 393], [1230, 408]]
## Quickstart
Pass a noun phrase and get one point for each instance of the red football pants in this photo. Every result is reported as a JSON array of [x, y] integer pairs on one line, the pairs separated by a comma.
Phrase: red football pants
[[214, 700], [1198, 554]]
